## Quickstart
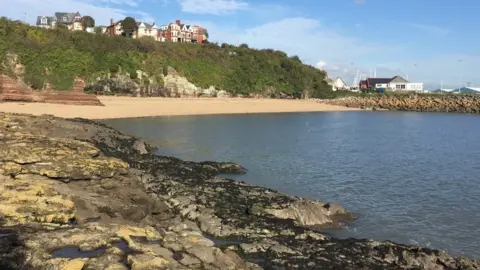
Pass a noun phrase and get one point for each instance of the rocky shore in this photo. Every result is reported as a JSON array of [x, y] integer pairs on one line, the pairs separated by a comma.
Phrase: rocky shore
[[76, 194], [413, 102]]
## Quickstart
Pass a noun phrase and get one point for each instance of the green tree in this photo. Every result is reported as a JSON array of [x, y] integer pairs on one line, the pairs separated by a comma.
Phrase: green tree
[[57, 57], [129, 26], [61, 26], [98, 30], [87, 22]]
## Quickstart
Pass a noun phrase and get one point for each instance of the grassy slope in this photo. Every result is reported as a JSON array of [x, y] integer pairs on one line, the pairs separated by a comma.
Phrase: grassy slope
[[240, 70]]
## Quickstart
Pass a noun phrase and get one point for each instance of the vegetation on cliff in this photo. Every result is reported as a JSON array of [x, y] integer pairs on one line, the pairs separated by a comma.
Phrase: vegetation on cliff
[[57, 56]]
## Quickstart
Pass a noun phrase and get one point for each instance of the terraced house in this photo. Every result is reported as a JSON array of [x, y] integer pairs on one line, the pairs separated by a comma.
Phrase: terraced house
[[173, 32], [179, 32], [73, 21], [144, 29]]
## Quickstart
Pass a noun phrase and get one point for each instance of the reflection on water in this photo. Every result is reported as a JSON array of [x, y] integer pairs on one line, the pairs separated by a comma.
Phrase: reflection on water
[[410, 177]]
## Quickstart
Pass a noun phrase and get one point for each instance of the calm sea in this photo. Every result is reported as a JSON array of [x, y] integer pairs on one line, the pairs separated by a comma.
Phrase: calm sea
[[412, 178]]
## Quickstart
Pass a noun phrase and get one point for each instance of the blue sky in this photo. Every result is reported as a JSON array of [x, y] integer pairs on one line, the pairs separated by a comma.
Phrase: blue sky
[[421, 39]]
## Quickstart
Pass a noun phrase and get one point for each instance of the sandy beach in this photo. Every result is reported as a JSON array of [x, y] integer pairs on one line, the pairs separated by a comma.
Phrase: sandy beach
[[130, 107]]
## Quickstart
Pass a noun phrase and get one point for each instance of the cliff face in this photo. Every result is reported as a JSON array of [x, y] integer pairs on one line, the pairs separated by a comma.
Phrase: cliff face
[[76, 194], [420, 103], [16, 90]]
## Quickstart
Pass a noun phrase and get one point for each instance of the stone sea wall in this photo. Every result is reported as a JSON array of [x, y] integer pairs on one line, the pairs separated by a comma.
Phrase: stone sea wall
[[413, 102], [76, 194]]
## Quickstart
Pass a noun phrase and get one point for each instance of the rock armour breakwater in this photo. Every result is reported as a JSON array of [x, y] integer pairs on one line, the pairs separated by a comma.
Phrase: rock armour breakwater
[[76, 194], [418, 103]]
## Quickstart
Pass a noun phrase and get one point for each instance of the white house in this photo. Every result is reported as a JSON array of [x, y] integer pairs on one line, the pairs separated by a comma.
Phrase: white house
[[396, 83], [338, 84], [146, 30]]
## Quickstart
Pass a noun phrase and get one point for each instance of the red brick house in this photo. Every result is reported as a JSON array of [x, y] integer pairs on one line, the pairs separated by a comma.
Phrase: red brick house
[[174, 32], [185, 33]]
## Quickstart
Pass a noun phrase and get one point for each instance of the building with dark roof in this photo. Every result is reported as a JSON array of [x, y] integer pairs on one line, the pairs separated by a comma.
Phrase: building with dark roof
[[46, 22], [396, 83], [72, 20]]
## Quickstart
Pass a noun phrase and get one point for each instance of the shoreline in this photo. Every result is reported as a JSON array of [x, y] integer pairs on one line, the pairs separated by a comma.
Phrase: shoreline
[[135, 107], [80, 183]]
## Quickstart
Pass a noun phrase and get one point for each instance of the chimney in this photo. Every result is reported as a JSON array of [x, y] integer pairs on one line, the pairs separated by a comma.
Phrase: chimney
[[111, 22], [178, 22]]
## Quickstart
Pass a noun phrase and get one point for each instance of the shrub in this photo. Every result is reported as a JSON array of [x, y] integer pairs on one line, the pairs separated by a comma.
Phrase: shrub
[[68, 54]]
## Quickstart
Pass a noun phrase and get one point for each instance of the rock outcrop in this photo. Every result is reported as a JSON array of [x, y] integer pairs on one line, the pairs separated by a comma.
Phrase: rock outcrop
[[172, 85], [76, 194], [414, 102], [178, 86], [16, 90]]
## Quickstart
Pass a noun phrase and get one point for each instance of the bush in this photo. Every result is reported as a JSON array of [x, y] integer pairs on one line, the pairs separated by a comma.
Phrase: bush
[[133, 74], [69, 54]]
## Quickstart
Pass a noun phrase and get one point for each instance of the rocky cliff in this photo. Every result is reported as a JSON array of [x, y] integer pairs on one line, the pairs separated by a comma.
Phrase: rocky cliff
[[144, 85], [13, 88], [76, 194], [414, 102]]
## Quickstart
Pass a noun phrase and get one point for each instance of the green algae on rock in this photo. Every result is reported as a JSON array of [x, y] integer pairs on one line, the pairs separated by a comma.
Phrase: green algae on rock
[[76, 194]]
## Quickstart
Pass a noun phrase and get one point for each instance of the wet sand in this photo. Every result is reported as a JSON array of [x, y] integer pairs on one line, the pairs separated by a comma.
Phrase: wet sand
[[131, 107]]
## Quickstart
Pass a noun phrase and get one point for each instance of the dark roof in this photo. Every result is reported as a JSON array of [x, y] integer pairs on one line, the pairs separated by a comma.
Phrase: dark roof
[[399, 79], [374, 81], [70, 17], [147, 25], [49, 20]]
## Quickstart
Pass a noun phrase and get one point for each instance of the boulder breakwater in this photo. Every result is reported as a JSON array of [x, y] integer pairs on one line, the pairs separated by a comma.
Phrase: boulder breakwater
[[76, 194], [414, 102]]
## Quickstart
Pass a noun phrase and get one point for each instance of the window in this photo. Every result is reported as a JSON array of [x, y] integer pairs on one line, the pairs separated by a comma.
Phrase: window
[[44, 20], [402, 86], [397, 86], [64, 18]]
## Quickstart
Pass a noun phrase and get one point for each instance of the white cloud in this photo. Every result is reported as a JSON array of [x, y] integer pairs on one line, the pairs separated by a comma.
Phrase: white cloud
[[305, 37], [320, 64], [215, 7], [313, 42], [430, 29], [343, 55], [337, 52], [101, 13], [131, 3]]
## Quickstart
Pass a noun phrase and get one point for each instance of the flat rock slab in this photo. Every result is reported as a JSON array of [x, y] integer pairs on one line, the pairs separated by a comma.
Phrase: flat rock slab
[[76, 194]]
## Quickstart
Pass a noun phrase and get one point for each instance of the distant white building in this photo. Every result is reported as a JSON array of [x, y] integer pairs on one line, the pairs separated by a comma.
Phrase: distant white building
[[338, 84], [396, 83]]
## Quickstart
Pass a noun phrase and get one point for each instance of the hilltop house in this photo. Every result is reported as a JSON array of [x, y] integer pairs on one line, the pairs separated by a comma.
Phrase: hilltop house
[[178, 32], [174, 32], [143, 30], [48, 22], [396, 83], [73, 21]]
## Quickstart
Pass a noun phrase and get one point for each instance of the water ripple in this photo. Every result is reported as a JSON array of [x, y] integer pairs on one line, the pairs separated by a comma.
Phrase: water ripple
[[410, 177]]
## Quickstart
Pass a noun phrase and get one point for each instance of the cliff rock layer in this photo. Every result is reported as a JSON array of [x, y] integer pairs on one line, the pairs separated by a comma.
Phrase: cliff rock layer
[[76, 194], [16, 90]]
